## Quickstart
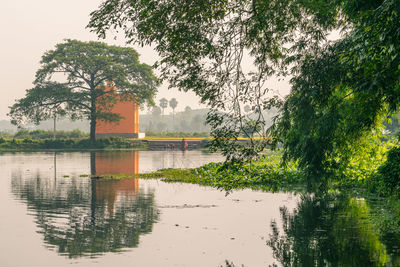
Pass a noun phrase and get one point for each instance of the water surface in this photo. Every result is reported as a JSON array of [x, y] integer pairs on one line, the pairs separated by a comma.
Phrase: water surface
[[54, 215]]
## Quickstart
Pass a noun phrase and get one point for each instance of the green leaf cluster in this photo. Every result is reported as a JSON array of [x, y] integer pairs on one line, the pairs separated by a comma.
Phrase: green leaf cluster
[[344, 91], [386, 181]]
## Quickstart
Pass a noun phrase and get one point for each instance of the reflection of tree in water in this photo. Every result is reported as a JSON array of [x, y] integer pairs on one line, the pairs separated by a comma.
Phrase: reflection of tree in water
[[327, 231], [83, 217]]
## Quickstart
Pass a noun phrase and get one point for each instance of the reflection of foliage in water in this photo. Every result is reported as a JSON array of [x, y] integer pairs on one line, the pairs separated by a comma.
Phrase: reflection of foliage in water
[[386, 216], [327, 231], [75, 217]]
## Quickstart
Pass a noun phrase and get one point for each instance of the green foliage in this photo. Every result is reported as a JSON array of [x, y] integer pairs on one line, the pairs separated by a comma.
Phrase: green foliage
[[341, 90], [28, 144], [226, 129], [204, 46], [43, 134], [390, 170], [387, 179], [92, 70], [266, 174]]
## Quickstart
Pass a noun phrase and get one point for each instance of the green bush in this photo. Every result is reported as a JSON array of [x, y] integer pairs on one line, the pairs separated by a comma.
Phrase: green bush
[[47, 134], [387, 179], [68, 143], [266, 173]]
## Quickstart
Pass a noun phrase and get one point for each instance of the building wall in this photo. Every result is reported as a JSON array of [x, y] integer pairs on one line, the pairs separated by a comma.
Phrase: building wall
[[126, 127]]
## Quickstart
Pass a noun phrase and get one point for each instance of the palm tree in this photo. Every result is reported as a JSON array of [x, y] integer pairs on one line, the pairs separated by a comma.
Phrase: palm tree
[[163, 104], [173, 103]]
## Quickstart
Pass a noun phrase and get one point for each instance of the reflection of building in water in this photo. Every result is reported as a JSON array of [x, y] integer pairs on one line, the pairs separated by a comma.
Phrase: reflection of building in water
[[83, 217], [109, 191], [125, 162]]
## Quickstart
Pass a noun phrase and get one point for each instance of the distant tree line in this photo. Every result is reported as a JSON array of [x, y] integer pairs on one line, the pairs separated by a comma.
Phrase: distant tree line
[[188, 121]]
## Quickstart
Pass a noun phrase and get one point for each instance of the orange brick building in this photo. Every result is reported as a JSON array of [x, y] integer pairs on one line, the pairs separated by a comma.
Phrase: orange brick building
[[127, 127]]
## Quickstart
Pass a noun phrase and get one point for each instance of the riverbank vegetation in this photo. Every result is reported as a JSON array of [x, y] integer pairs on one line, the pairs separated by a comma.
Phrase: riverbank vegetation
[[76, 134], [363, 172], [29, 144], [45, 134]]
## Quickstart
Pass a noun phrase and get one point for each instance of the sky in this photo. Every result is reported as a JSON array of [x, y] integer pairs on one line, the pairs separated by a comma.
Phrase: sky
[[29, 28]]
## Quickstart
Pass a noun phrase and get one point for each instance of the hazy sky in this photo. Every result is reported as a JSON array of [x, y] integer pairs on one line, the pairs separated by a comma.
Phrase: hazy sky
[[29, 28]]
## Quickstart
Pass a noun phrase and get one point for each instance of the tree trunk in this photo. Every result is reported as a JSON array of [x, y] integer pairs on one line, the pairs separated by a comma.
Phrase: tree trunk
[[93, 117], [92, 163], [93, 129], [54, 127]]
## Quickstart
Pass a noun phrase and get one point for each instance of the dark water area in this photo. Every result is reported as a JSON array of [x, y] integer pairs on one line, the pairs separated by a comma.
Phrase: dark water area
[[53, 214]]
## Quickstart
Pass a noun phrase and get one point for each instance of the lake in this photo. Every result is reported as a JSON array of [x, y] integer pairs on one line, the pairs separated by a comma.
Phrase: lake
[[53, 214]]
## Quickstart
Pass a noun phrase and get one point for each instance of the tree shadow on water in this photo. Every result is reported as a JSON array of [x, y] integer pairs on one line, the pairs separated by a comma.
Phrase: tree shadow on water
[[86, 217], [328, 230]]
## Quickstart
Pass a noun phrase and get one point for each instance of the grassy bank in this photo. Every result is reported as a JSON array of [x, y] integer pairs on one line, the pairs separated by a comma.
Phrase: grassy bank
[[364, 172], [28, 144], [265, 174]]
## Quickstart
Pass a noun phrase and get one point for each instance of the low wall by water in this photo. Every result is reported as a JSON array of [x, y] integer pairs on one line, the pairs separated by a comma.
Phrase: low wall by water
[[174, 144]]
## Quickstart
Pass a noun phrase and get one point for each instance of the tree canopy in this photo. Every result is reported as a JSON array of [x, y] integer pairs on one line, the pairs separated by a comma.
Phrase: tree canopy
[[84, 80], [341, 89], [173, 103], [344, 91], [163, 104]]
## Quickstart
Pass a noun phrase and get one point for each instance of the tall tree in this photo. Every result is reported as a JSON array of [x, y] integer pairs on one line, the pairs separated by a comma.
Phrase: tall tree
[[203, 46], [95, 77], [340, 89], [343, 92], [163, 104], [173, 104]]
